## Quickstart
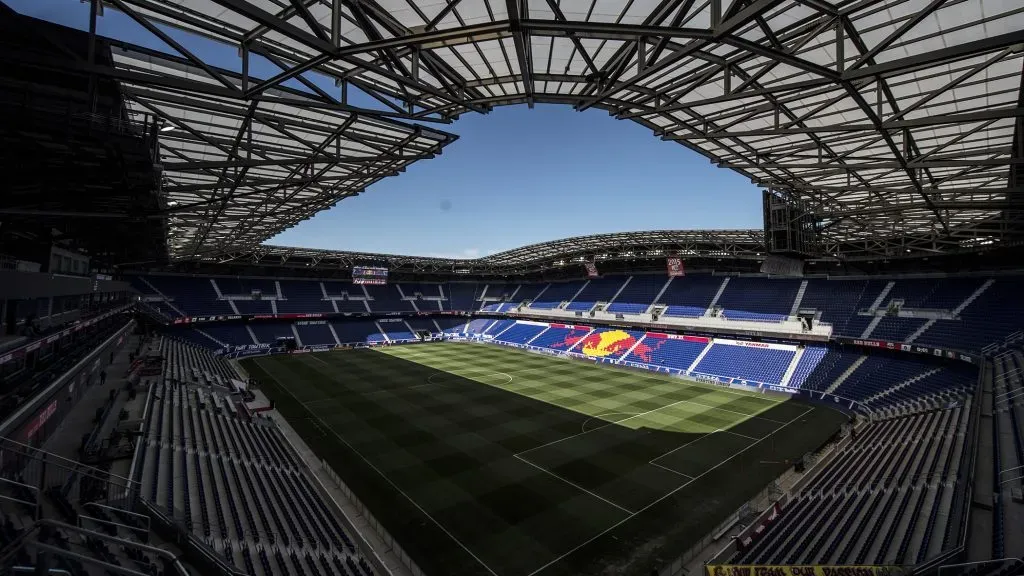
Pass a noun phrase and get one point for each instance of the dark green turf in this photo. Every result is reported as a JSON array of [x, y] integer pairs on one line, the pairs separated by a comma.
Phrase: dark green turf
[[487, 460]]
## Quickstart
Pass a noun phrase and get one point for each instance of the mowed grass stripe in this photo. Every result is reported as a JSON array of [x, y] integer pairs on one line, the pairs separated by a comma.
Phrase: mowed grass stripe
[[433, 458], [609, 390], [452, 447]]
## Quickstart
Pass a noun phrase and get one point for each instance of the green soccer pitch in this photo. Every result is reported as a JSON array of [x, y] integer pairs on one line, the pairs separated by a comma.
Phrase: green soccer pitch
[[481, 459]]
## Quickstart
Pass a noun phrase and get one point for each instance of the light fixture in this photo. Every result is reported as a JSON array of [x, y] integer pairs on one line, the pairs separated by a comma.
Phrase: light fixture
[[168, 127]]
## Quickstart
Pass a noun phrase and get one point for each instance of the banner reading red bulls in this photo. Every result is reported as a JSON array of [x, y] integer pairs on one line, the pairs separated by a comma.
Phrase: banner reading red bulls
[[591, 269]]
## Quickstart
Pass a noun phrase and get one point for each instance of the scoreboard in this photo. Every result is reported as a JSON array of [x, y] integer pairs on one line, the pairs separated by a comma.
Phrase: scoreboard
[[369, 275]]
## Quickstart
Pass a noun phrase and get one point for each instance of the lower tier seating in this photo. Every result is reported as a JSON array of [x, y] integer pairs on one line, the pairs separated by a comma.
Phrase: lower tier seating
[[883, 499]]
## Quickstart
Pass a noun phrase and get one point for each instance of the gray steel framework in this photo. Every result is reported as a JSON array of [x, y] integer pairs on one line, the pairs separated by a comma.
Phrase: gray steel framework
[[732, 244], [893, 120]]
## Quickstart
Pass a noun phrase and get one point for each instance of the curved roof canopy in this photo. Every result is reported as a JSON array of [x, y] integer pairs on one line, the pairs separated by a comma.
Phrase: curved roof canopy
[[618, 246], [892, 120]]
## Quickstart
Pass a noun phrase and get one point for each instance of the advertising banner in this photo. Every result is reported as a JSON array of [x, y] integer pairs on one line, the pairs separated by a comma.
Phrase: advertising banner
[[735, 570], [591, 269]]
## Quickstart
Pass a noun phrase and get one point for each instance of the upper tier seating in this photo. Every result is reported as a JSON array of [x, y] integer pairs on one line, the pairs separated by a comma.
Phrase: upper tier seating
[[193, 296], [694, 292], [555, 294], [303, 297], [596, 290], [524, 292], [246, 287], [997, 312], [895, 328], [387, 299], [773, 296], [461, 296], [839, 300], [638, 294], [495, 291], [930, 293]]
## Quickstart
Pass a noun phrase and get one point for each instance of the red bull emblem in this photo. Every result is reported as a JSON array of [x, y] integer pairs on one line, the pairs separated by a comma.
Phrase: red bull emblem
[[643, 351], [609, 343]]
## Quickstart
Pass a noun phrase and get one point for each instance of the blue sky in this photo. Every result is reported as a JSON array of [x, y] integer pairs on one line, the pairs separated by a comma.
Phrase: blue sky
[[516, 176]]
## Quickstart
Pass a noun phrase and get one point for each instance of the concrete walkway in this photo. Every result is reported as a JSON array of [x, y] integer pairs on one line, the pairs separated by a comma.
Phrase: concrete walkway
[[66, 440]]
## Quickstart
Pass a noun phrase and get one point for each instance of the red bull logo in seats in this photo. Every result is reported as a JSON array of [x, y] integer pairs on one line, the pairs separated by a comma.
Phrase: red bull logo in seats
[[575, 335], [607, 343]]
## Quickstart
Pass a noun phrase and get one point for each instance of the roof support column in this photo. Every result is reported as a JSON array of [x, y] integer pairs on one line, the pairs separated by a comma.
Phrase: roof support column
[[336, 23], [94, 7], [840, 46]]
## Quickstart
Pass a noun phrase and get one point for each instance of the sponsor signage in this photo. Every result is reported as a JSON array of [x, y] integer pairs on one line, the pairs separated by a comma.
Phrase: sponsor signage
[[785, 389], [708, 379], [749, 344], [736, 570], [591, 269], [938, 352], [194, 319], [41, 419], [391, 320]]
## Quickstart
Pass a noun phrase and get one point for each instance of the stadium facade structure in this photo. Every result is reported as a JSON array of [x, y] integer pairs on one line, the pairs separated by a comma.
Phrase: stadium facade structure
[[877, 128], [886, 134]]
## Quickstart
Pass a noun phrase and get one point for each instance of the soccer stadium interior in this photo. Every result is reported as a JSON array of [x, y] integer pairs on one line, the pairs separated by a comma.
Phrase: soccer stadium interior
[[838, 392]]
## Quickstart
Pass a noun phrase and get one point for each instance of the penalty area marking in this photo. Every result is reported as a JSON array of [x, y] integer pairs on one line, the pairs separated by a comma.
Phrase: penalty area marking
[[599, 417], [670, 493], [430, 379], [573, 484]]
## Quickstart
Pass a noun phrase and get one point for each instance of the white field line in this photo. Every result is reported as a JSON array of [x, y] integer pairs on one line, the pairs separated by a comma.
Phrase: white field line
[[320, 360], [573, 484], [707, 406], [661, 379], [738, 434], [673, 491], [602, 427], [384, 476], [653, 463]]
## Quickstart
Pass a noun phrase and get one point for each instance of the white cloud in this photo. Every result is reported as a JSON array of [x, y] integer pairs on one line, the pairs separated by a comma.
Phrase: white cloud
[[464, 253]]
